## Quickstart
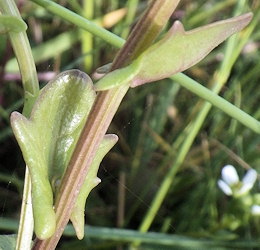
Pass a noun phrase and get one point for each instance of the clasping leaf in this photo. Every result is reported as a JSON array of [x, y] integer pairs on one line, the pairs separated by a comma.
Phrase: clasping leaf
[[177, 51], [47, 140]]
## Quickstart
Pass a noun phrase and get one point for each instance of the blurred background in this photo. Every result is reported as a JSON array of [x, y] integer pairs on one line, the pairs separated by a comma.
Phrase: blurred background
[[153, 123]]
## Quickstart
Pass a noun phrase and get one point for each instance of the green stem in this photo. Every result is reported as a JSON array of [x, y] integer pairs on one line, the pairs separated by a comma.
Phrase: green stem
[[25, 60], [131, 11], [111, 38], [86, 37], [217, 101], [182, 79], [204, 15], [81, 22], [101, 116], [193, 129], [24, 57], [162, 240]]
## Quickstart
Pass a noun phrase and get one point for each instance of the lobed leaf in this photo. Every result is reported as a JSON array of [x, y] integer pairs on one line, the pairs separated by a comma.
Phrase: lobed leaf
[[78, 213], [176, 52], [179, 49], [48, 138]]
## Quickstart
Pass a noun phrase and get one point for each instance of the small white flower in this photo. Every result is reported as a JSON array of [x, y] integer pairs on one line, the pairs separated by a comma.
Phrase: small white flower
[[225, 187], [229, 175], [230, 183], [255, 210]]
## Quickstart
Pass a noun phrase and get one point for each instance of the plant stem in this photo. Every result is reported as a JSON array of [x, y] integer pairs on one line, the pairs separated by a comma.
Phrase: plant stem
[[105, 97], [81, 22], [28, 72], [87, 37], [217, 101], [217, 8], [182, 79], [24, 57], [101, 116], [193, 128], [131, 11], [163, 240]]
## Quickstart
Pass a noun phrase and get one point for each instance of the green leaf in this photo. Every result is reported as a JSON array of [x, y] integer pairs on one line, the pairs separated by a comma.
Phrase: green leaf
[[7, 242], [78, 214], [11, 24], [48, 138], [119, 77], [104, 69], [179, 49], [176, 52]]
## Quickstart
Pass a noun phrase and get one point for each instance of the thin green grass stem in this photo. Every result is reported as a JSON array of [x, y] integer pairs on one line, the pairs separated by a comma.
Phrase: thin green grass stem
[[159, 239], [131, 10], [21, 47], [13, 179], [100, 117], [203, 15], [217, 101], [193, 129], [86, 37], [81, 22], [192, 85], [45, 51]]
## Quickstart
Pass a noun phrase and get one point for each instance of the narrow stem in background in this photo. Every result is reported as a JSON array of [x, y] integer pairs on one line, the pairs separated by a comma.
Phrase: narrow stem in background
[[101, 95], [118, 42], [131, 6], [22, 49], [145, 32], [86, 37], [81, 22], [217, 101], [101, 116], [193, 128]]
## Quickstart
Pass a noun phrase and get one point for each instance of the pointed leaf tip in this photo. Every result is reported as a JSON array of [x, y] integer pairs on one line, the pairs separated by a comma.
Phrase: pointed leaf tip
[[91, 181], [176, 52], [48, 139], [180, 49], [176, 28]]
